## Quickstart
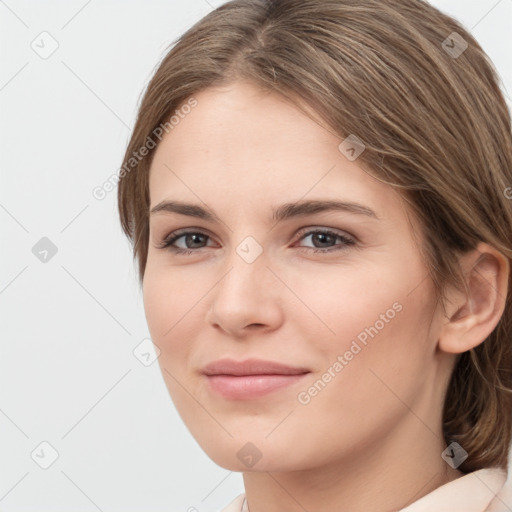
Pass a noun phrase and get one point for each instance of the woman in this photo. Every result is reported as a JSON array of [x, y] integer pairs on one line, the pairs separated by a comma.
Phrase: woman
[[341, 332]]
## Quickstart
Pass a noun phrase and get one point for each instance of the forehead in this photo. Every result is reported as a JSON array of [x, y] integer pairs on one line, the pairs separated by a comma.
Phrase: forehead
[[244, 148]]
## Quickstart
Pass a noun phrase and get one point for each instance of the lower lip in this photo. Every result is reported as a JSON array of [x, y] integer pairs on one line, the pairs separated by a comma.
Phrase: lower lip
[[250, 386]]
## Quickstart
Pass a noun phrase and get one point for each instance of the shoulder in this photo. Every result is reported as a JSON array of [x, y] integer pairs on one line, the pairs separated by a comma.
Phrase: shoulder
[[235, 505], [502, 502], [480, 491], [485, 490]]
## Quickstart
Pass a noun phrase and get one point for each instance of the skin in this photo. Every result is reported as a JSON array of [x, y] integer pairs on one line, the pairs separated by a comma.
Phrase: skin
[[371, 438]]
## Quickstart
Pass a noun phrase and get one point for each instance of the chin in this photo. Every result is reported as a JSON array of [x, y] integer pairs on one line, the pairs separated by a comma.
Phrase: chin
[[241, 454]]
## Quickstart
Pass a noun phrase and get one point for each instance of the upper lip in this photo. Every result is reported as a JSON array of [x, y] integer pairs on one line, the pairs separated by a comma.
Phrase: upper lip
[[251, 367]]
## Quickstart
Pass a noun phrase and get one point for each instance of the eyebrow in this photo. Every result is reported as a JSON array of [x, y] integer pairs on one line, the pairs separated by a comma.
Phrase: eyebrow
[[282, 212]]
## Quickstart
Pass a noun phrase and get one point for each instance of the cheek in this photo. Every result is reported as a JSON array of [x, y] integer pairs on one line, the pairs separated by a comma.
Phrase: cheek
[[169, 309], [168, 304], [340, 304], [378, 358], [373, 324], [167, 294], [365, 395]]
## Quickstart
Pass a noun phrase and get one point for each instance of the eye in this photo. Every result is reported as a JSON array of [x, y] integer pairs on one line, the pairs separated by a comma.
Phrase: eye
[[195, 240], [189, 237], [326, 236]]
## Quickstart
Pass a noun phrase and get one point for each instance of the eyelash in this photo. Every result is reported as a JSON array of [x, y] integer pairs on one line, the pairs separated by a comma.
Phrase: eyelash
[[173, 237]]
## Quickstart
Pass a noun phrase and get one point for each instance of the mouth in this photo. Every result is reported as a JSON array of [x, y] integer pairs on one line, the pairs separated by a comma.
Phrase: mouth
[[251, 378]]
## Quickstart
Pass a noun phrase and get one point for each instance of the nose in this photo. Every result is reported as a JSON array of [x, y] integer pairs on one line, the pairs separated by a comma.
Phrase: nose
[[247, 297]]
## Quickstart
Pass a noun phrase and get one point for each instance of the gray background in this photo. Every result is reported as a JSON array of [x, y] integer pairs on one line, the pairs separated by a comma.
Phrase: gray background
[[70, 325]]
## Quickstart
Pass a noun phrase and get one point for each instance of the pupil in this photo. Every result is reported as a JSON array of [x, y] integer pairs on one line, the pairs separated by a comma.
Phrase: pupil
[[318, 235], [195, 236]]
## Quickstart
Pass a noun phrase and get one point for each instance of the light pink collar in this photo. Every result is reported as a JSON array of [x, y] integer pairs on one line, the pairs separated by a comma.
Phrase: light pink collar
[[485, 490]]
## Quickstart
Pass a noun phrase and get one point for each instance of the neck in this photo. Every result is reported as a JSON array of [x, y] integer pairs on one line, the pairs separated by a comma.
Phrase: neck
[[381, 476]]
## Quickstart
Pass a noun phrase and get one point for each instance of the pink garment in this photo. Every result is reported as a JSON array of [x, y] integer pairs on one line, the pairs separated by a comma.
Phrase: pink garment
[[485, 490]]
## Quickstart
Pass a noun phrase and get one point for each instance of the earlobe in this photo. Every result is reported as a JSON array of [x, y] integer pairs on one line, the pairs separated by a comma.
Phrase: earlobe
[[472, 316]]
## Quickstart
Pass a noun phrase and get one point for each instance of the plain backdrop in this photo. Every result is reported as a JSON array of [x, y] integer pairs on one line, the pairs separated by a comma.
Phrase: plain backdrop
[[84, 424]]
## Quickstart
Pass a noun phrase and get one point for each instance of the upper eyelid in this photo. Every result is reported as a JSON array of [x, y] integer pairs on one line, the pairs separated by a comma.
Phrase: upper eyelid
[[337, 231]]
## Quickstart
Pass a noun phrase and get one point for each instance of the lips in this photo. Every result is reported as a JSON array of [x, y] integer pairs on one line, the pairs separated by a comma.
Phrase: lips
[[251, 378], [251, 367]]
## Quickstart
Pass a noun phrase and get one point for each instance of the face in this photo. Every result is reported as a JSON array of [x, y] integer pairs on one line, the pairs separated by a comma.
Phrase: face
[[340, 295]]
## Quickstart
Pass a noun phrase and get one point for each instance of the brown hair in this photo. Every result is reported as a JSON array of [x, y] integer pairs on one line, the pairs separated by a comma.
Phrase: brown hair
[[435, 125]]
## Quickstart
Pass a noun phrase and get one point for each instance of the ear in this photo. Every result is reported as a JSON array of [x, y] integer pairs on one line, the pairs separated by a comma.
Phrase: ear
[[471, 317]]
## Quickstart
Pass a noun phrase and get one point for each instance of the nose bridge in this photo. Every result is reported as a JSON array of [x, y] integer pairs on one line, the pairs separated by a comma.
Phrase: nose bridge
[[243, 295], [247, 265]]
